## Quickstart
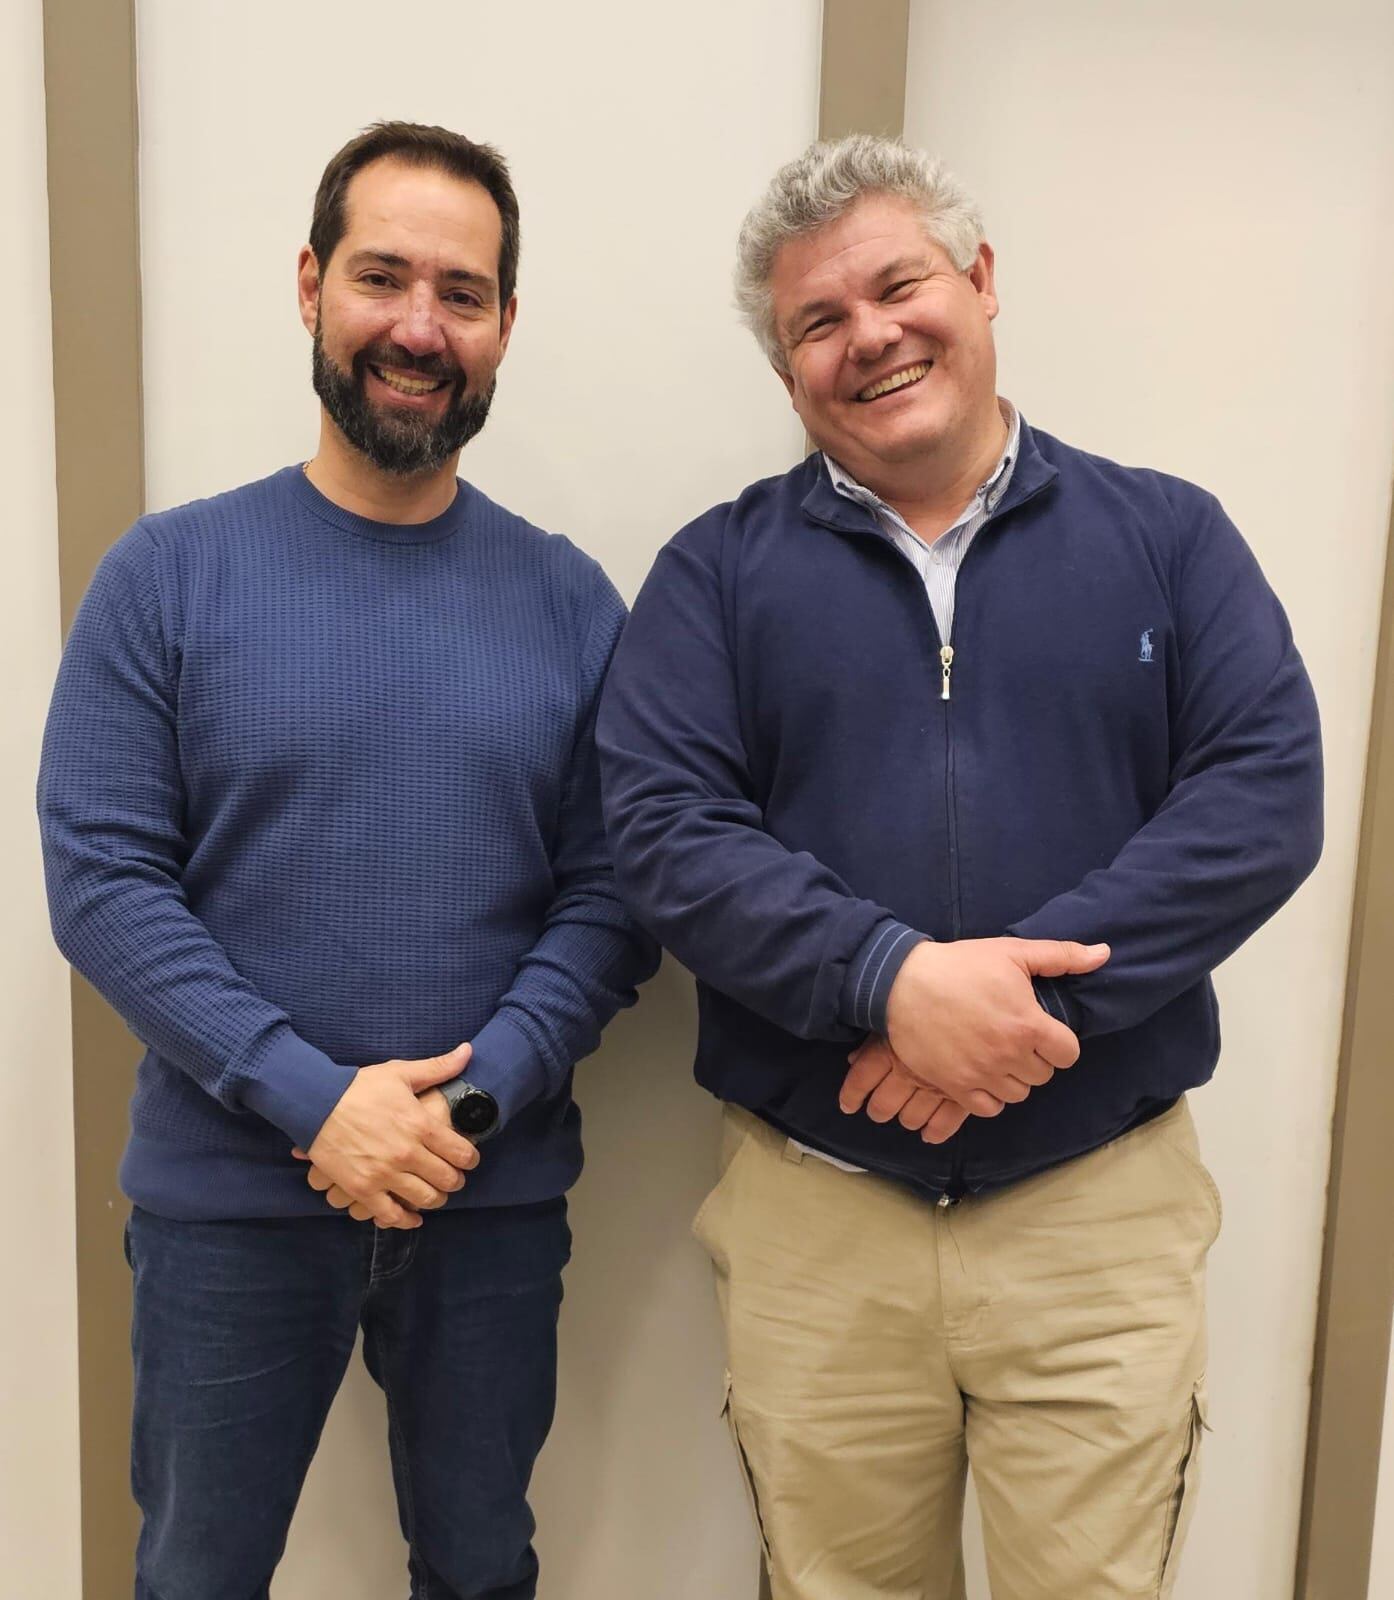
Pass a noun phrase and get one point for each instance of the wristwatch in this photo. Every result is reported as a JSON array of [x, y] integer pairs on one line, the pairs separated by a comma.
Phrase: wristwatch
[[473, 1111]]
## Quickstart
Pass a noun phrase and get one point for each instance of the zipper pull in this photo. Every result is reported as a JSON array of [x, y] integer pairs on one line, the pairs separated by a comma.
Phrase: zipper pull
[[946, 662]]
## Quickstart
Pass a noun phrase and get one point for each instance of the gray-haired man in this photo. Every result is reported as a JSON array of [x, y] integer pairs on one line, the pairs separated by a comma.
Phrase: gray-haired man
[[974, 754]]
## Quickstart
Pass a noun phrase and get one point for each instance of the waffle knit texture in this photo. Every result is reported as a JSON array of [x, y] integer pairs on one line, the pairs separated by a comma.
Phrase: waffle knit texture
[[318, 792]]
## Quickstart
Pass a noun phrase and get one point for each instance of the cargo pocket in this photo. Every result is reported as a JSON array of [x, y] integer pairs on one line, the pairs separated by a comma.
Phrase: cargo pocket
[[1183, 1499], [743, 1460]]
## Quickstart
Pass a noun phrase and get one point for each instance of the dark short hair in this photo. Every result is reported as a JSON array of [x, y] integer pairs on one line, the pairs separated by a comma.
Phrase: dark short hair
[[417, 146]]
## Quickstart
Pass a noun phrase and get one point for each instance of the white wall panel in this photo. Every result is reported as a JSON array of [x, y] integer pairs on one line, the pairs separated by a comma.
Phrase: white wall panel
[[629, 402], [39, 1529], [1193, 208]]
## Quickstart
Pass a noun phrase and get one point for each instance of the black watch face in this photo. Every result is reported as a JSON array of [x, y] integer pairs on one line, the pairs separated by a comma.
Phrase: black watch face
[[475, 1113]]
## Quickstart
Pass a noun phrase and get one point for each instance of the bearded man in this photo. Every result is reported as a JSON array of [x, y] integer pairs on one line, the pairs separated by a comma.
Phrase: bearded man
[[321, 820]]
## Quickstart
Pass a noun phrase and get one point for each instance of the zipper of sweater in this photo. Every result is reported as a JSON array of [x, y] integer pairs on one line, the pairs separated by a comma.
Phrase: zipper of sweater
[[946, 666]]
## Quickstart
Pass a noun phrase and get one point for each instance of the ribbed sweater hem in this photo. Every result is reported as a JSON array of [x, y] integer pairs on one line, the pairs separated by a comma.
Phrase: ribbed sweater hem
[[188, 1185]]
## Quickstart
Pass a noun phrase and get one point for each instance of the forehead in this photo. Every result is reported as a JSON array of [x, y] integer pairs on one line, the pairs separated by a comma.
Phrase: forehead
[[397, 209], [876, 230]]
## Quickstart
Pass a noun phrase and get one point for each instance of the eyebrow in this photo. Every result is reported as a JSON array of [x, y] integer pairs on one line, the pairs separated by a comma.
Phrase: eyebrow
[[810, 308], [385, 258]]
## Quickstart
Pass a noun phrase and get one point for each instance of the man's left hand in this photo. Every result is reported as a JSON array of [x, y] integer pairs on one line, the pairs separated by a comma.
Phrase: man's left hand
[[878, 1082]]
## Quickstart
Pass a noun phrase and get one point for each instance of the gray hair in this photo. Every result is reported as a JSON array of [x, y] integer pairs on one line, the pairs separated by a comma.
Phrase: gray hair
[[826, 181]]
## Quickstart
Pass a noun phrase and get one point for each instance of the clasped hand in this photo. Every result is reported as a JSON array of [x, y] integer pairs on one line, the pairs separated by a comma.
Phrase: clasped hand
[[965, 1033], [387, 1151]]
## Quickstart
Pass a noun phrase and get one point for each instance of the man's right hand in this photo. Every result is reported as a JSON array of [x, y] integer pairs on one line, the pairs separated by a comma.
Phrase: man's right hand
[[381, 1142], [964, 1018]]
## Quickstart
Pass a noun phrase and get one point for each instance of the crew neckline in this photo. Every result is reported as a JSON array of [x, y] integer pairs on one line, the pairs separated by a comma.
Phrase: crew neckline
[[449, 521]]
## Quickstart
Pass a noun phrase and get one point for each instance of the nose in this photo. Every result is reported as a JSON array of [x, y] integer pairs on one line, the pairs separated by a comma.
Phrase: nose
[[418, 325], [872, 331]]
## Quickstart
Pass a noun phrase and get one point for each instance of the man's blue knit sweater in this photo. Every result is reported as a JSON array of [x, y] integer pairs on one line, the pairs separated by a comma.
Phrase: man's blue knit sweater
[[319, 792]]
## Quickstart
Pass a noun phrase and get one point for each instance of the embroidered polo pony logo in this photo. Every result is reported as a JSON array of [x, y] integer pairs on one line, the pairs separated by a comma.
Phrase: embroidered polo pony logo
[[1144, 645]]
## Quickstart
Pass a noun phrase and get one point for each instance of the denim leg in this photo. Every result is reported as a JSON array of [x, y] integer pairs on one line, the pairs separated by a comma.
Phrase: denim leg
[[463, 1341], [241, 1334]]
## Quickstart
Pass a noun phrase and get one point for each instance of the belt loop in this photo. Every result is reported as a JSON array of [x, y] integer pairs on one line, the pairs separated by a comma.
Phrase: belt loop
[[792, 1152]]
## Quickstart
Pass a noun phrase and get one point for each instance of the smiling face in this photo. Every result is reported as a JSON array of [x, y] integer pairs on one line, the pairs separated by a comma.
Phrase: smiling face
[[889, 347], [408, 329]]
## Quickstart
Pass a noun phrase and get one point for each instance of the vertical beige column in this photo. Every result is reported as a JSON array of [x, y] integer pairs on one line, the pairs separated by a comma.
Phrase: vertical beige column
[[89, 70], [1357, 1284]]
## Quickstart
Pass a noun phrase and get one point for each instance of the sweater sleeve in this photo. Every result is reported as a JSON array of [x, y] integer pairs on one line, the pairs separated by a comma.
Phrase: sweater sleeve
[[111, 806], [1241, 825], [770, 927], [590, 956]]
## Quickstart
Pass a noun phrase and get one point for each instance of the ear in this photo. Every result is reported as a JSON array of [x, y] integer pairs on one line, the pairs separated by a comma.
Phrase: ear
[[307, 287], [510, 311], [982, 275]]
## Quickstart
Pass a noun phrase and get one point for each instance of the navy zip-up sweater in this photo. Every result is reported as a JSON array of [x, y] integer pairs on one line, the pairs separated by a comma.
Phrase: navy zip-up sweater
[[318, 792], [1130, 752]]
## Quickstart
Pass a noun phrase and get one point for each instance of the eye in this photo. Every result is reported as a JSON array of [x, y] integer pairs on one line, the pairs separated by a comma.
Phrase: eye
[[463, 297], [375, 280], [897, 291], [814, 329]]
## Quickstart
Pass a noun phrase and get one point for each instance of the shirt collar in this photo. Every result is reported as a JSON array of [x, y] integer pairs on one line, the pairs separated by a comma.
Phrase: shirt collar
[[990, 491]]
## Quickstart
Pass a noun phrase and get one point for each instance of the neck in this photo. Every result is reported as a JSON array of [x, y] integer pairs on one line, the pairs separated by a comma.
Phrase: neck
[[345, 476], [931, 494]]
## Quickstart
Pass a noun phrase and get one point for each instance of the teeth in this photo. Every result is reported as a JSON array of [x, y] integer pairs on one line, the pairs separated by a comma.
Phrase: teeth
[[897, 380], [404, 385]]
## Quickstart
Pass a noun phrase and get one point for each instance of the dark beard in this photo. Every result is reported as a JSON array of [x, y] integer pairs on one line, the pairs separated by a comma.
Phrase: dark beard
[[400, 442]]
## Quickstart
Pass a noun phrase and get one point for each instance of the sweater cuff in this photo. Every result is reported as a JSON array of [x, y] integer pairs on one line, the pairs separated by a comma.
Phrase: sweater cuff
[[295, 1087], [867, 985], [1053, 999], [505, 1061]]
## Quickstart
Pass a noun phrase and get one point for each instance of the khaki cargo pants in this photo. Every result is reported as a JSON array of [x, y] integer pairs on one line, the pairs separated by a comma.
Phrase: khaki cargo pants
[[1052, 1333]]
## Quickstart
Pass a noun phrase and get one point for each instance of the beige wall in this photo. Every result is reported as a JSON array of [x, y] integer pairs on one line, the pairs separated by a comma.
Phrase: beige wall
[[38, 1334], [1382, 1557], [629, 402], [1193, 207]]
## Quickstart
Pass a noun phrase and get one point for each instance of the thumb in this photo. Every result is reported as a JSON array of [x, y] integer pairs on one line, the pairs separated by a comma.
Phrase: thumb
[[1056, 958], [425, 1074]]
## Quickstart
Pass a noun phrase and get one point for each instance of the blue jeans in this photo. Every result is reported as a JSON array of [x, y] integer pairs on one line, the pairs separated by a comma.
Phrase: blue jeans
[[241, 1336]]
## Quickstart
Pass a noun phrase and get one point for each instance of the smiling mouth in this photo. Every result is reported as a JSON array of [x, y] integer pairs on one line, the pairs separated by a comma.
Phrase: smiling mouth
[[897, 380], [402, 384]]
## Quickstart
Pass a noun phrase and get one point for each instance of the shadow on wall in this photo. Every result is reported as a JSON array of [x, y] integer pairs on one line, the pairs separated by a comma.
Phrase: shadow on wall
[[636, 1494]]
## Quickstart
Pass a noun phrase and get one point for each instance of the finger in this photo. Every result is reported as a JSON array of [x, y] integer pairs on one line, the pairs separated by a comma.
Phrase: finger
[[1054, 1043], [426, 1074], [406, 1186], [981, 1103], [389, 1213], [1057, 958], [339, 1198], [919, 1108], [298, 1153], [319, 1180], [1036, 1071], [452, 1148], [945, 1123], [359, 1212], [1011, 1088], [431, 1169], [868, 1071], [889, 1096]]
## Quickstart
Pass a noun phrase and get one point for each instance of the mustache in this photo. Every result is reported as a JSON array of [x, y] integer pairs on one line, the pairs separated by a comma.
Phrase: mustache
[[393, 355]]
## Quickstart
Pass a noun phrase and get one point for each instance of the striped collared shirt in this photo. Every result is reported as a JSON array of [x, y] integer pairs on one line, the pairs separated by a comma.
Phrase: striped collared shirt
[[938, 563]]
